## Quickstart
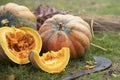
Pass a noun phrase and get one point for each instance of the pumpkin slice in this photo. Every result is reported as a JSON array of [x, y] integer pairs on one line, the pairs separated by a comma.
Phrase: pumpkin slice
[[51, 62], [16, 44]]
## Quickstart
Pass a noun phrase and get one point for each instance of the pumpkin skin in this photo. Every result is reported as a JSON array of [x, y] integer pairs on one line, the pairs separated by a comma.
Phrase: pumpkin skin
[[51, 62], [16, 44], [19, 11], [66, 31]]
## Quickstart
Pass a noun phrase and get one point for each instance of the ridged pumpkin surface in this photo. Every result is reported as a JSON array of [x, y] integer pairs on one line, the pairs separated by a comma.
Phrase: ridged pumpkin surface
[[12, 14], [16, 44], [18, 11], [66, 31]]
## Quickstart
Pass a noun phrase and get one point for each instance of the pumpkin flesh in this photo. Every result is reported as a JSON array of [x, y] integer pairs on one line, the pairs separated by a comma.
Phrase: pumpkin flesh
[[51, 62], [20, 43]]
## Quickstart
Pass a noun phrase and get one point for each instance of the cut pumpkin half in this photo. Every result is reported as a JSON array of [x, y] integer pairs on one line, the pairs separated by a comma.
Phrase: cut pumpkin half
[[16, 44]]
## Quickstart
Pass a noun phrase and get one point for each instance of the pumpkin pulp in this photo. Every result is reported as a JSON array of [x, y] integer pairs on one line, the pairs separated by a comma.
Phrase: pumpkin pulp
[[20, 43], [52, 57]]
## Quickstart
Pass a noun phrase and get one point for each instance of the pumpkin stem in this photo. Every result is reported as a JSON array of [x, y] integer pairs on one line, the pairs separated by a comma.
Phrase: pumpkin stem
[[5, 22], [92, 31], [61, 27], [104, 49]]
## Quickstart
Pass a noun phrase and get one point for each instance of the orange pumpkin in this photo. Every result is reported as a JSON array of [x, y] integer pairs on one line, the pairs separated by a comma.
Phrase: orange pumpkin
[[66, 31]]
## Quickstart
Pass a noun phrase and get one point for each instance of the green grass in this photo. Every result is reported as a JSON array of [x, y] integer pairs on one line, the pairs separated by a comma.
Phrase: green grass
[[103, 7], [109, 41], [28, 72]]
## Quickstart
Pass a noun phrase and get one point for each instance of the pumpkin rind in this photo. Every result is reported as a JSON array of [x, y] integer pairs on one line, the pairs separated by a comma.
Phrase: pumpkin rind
[[51, 62], [17, 51], [66, 31]]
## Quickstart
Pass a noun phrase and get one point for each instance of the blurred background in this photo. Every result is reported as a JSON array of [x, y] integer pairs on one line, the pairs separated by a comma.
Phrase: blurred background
[[101, 7]]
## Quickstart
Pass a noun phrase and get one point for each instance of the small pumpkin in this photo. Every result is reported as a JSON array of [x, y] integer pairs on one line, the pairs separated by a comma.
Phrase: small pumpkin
[[19, 11], [16, 44], [66, 31], [51, 62]]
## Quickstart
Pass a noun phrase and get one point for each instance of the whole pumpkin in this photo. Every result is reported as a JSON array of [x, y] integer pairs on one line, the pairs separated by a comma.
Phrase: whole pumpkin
[[19, 11], [66, 31], [17, 43]]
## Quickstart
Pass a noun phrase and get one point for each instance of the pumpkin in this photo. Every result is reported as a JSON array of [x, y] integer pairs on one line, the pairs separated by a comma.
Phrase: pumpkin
[[66, 31], [19, 11], [16, 44], [9, 19], [51, 61]]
